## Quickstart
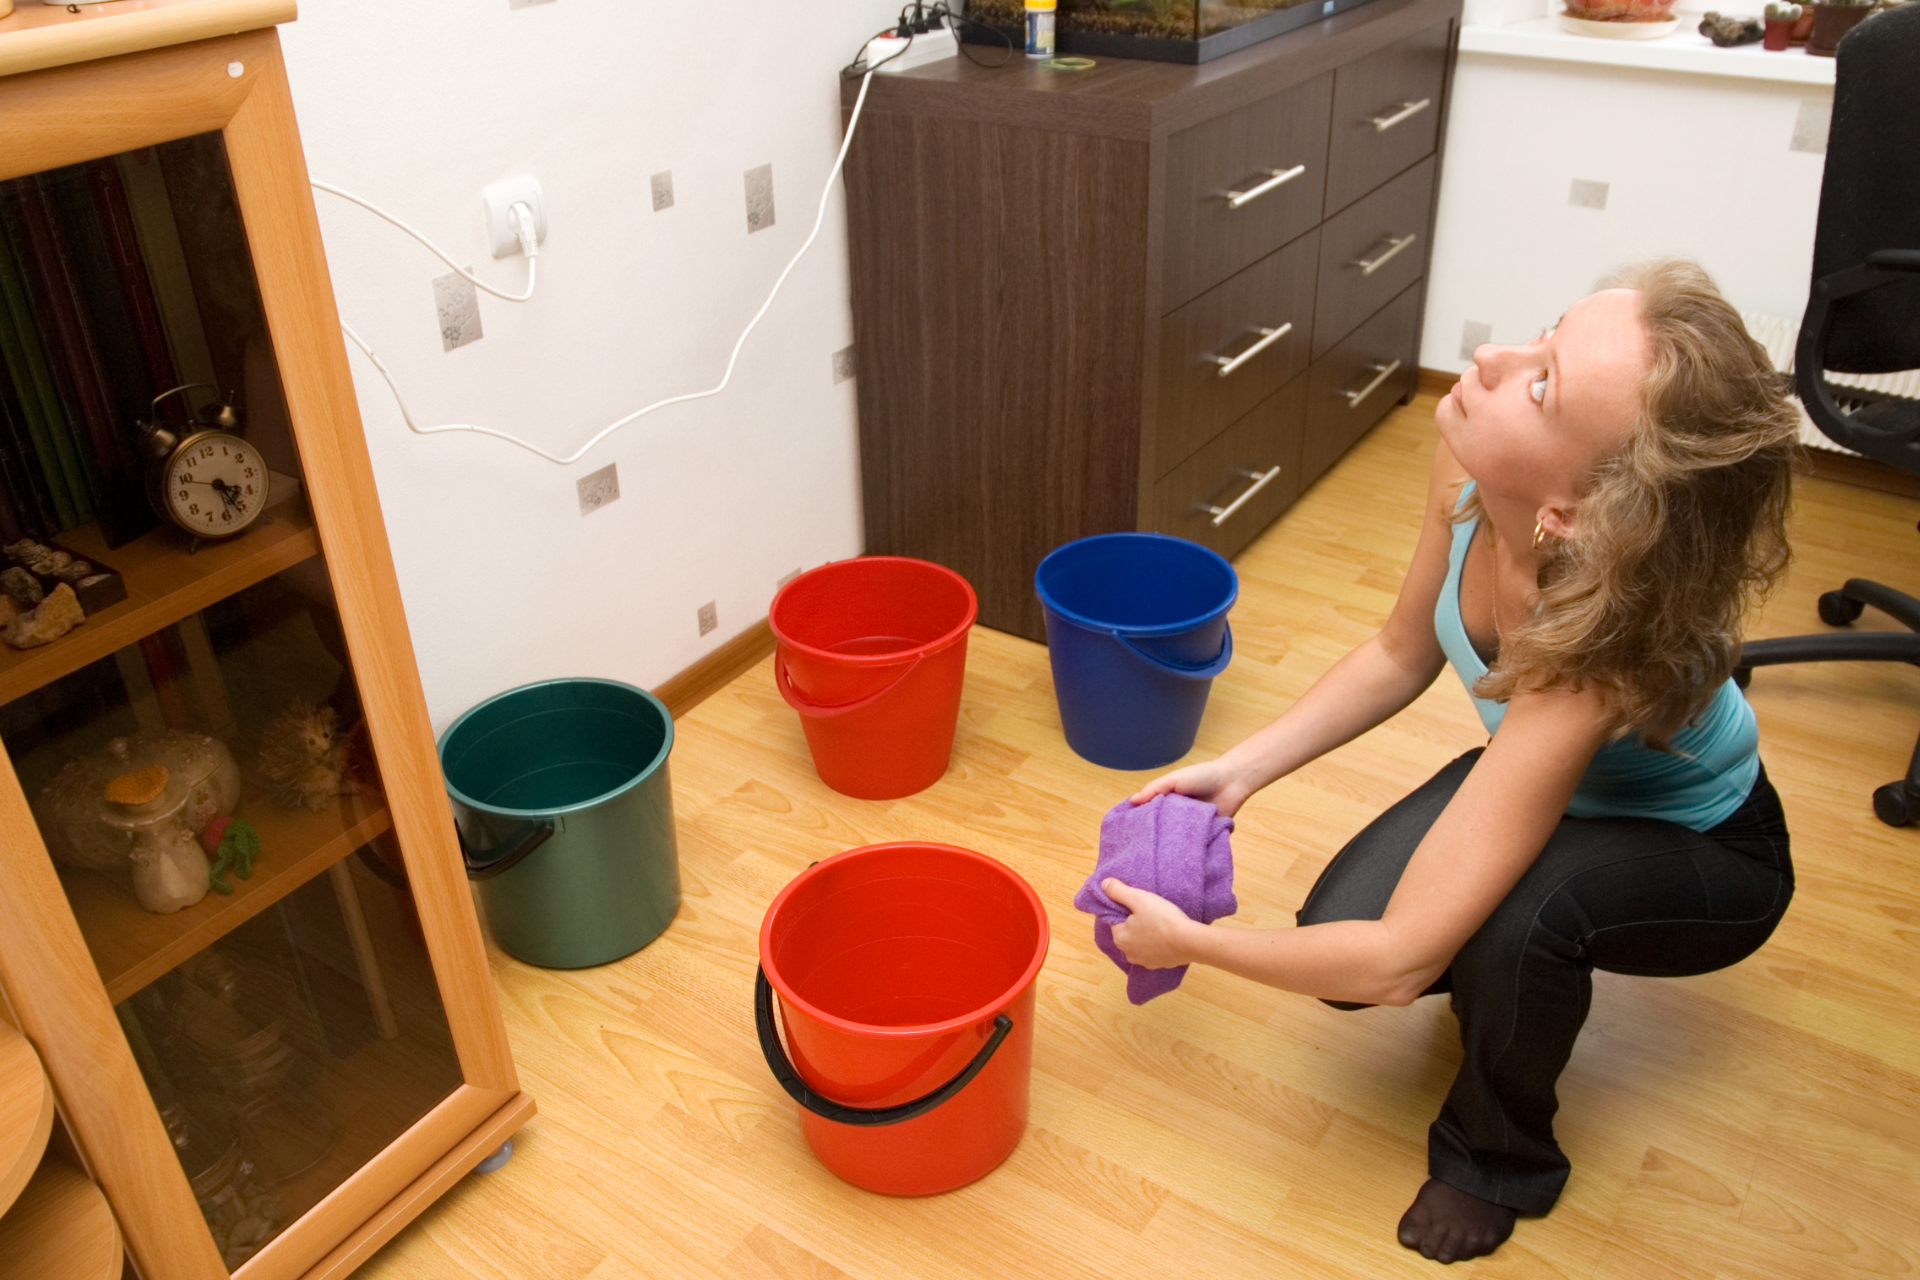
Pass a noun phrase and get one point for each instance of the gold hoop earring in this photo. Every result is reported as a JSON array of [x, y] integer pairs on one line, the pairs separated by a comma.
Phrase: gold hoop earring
[[1539, 534]]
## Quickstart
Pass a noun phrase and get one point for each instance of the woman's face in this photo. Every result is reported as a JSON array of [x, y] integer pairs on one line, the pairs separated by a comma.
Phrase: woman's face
[[1531, 422]]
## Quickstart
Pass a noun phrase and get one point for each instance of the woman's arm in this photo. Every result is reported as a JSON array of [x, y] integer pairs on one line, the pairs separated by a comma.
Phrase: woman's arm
[[1371, 684], [1484, 840]]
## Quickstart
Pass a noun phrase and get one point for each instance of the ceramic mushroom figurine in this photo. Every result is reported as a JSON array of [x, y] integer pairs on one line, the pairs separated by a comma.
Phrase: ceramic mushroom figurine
[[169, 871]]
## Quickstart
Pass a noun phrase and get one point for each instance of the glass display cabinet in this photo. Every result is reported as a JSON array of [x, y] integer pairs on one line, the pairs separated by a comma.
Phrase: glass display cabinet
[[234, 922]]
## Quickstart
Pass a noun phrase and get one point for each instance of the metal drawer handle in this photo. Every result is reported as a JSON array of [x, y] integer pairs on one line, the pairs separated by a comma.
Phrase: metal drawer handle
[[1383, 372], [1407, 111], [1394, 246], [1260, 481], [1275, 178], [1267, 338]]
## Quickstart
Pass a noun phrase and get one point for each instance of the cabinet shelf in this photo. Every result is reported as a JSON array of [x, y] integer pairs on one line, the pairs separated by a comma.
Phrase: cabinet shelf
[[60, 1229], [132, 946], [164, 585], [26, 1113]]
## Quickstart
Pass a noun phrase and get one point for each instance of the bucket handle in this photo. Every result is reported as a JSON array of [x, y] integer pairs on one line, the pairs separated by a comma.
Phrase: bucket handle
[[821, 710], [1205, 671], [826, 1108], [541, 833]]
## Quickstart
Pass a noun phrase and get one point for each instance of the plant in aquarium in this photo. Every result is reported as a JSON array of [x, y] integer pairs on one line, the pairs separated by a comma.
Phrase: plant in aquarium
[[1165, 12]]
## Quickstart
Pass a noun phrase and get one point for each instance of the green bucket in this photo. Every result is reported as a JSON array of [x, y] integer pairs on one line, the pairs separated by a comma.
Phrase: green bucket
[[565, 814]]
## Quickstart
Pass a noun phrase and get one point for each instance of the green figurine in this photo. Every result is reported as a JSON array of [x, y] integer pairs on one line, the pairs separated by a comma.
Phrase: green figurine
[[233, 842]]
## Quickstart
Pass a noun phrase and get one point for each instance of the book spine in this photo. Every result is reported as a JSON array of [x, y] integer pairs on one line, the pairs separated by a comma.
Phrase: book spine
[[146, 190], [70, 347], [26, 366], [108, 358], [116, 218], [16, 518], [20, 467]]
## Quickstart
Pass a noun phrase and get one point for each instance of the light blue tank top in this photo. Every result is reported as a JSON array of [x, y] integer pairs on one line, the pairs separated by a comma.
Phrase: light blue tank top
[[1698, 783]]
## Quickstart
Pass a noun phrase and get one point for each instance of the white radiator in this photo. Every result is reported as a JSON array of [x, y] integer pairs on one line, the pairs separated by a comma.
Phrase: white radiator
[[1779, 336]]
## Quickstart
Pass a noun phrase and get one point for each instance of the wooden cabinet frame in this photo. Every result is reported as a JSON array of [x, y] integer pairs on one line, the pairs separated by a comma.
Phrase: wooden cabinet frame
[[237, 85]]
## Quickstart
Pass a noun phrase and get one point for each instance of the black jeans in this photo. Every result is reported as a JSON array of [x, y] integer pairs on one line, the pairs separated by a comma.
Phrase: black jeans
[[1629, 895]]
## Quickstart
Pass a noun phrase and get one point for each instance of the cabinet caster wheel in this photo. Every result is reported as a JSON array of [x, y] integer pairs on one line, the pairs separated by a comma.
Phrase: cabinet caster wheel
[[497, 1159], [1897, 804], [1743, 676], [1836, 610]]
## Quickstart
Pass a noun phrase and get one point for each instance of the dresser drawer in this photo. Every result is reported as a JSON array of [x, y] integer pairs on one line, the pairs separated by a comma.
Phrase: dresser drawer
[[1370, 252], [1355, 385], [1241, 185], [1234, 487], [1379, 124], [1231, 347]]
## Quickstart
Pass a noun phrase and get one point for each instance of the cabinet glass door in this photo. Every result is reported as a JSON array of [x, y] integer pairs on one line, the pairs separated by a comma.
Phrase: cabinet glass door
[[179, 702]]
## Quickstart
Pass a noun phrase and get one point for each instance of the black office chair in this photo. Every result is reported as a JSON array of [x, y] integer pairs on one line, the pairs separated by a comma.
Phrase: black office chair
[[1863, 316]]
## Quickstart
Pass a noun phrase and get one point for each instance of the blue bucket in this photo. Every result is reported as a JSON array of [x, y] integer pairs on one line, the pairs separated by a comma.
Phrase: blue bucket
[[1136, 631]]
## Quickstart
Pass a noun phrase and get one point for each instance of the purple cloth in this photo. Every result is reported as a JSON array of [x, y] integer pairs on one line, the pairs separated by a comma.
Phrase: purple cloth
[[1174, 846]]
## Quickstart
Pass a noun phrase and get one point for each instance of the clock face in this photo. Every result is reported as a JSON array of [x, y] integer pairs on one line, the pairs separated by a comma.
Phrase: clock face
[[214, 484]]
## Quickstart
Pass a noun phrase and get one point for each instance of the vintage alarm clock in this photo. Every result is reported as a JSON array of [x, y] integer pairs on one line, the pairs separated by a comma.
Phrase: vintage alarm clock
[[207, 480]]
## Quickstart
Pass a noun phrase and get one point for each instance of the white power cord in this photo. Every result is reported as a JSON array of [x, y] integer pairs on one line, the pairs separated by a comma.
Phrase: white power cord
[[519, 217], [819, 218]]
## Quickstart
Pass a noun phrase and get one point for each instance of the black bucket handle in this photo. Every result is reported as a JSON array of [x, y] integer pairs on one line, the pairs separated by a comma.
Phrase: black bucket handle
[[826, 1108], [541, 833]]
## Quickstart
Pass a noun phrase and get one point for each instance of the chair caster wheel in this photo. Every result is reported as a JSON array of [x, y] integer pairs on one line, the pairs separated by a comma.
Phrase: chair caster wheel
[[1743, 676], [501, 1155], [1897, 804], [1836, 610]]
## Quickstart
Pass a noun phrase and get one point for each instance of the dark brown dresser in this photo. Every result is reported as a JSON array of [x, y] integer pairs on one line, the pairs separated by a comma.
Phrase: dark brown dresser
[[1139, 296]]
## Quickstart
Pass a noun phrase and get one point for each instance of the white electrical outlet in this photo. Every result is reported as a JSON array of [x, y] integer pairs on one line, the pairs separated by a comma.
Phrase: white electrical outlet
[[1473, 335], [502, 196], [1810, 126], [759, 198], [1587, 195], [709, 617], [456, 304], [597, 489]]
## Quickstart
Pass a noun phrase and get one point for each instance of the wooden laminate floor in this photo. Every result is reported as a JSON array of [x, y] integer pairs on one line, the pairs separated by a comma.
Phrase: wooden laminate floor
[[1759, 1122]]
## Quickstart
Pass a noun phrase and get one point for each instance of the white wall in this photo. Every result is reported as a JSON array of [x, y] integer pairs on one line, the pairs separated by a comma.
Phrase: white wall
[[418, 104], [1696, 165]]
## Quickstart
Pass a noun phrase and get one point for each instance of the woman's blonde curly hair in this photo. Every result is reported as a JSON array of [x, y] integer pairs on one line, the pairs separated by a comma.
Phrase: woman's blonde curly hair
[[1676, 535]]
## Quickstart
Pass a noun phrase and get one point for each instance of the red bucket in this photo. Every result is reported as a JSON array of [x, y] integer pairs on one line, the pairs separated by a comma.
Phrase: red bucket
[[872, 653], [905, 974]]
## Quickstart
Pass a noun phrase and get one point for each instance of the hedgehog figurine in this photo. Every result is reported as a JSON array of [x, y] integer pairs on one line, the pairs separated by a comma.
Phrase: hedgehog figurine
[[302, 759]]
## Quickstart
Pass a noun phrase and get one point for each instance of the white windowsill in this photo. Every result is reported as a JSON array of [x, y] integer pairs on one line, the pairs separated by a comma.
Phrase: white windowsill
[[1685, 51]]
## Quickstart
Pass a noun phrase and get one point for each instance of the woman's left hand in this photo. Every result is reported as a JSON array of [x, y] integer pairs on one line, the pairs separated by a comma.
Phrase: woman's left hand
[[1154, 936]]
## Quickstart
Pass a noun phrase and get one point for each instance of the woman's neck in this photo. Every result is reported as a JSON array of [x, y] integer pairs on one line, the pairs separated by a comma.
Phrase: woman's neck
[[1512, 524]]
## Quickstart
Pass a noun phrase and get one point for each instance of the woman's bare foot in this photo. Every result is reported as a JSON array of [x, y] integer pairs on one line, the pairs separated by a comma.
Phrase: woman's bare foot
[[1448, 1225]]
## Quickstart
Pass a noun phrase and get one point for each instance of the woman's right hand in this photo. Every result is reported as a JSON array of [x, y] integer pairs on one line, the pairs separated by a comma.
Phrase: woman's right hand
[[1212, 780]]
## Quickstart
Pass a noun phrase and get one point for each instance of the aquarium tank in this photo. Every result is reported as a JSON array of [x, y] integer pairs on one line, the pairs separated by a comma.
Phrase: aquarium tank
[[1161, 30]]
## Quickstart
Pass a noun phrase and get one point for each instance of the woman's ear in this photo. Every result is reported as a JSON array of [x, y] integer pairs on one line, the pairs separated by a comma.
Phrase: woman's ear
[[1557, 522]]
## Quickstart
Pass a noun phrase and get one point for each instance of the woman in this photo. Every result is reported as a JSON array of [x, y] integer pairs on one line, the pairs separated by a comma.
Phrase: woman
[[1605, 503]]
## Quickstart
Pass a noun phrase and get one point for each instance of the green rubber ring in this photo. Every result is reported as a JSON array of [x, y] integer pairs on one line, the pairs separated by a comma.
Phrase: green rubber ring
[[1069, 64]]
